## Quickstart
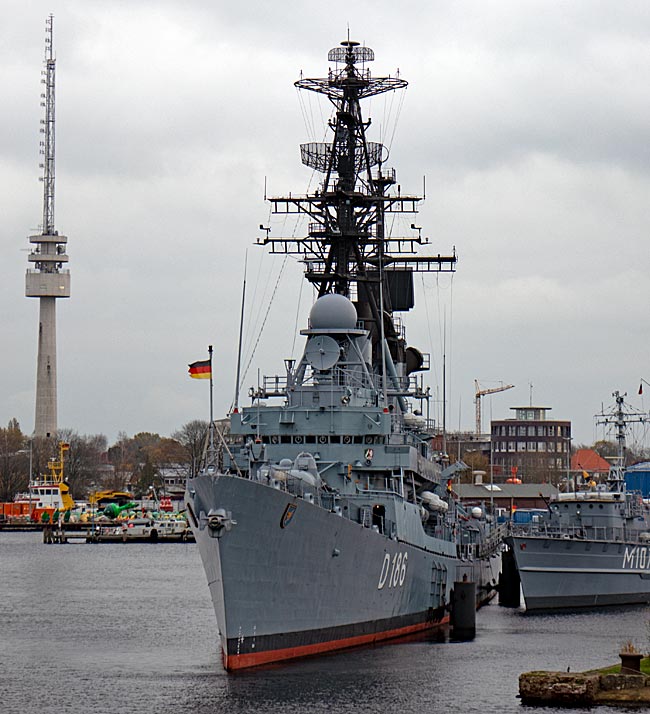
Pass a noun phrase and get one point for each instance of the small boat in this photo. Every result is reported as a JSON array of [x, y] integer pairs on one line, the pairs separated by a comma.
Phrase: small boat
[[48, 496], [140, 530]]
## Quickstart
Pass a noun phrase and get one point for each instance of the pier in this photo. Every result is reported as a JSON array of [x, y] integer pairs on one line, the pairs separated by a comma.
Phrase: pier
[[105, 532]]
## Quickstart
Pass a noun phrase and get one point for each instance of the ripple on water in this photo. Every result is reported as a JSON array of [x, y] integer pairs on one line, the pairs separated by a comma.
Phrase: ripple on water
[[111, 628]]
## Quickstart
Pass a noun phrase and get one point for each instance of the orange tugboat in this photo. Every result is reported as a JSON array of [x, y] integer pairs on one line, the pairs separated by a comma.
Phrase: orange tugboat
[[49, 494]]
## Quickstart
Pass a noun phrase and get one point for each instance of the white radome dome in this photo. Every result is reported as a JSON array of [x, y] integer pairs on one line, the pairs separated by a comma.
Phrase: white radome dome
[[333, 311]]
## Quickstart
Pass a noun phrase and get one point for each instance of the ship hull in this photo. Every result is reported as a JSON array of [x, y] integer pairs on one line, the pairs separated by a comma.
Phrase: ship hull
[[570, 573], [485, 574], [280, 648], [285, 587]]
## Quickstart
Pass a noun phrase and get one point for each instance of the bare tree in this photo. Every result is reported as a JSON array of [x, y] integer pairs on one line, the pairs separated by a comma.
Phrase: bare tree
[[191, 437], [83, 461], [14, 461]]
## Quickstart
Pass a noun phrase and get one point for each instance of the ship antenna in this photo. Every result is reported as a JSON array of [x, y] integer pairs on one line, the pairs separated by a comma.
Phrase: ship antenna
[[620, 419], [444, 387], [384, 346], [241, 334]]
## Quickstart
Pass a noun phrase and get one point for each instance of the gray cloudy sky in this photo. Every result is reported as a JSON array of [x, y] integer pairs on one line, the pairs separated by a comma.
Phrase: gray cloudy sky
[[530, 120]]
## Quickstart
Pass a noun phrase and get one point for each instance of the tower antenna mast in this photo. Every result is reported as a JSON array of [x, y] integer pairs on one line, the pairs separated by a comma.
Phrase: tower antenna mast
[[48, 143], [48, 280]]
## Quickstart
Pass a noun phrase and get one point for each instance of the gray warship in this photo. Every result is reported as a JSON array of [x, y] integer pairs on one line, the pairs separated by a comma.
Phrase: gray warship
[[592, 547], [326, 520]]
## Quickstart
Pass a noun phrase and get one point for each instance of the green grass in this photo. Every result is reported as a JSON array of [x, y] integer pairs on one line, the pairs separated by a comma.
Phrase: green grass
[[616, 668]]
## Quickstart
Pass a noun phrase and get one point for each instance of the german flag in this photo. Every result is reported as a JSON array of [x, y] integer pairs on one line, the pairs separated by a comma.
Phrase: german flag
[[201, 370]]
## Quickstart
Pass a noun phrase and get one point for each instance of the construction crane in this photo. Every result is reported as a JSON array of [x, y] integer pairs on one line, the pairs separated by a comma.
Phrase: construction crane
[[478, 393]]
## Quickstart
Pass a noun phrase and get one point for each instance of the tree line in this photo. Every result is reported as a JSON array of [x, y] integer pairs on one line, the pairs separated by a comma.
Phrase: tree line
[[478, 460], [136, 462]]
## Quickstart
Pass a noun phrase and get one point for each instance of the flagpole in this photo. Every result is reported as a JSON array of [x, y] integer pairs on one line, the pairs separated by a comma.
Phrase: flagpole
[[211, 454], [241, 334]]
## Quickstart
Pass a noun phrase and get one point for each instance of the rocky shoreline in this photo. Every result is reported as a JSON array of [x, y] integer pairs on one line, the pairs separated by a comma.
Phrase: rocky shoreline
[[584, 689]]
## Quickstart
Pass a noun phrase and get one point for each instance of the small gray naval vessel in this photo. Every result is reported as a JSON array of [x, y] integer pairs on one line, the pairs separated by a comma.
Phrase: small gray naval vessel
[[592, 547], [327, 521]]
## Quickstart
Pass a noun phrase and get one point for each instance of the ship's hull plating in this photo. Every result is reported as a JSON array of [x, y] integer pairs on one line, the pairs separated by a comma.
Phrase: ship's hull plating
[[289, 583], [559, 573]]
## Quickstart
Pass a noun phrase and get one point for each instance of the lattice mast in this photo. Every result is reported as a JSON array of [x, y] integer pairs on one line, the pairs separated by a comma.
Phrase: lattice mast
[[346, 250], [48, 280], [620, 419]]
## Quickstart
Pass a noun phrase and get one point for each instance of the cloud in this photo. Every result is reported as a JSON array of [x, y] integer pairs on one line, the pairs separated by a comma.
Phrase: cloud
[[530, 122]]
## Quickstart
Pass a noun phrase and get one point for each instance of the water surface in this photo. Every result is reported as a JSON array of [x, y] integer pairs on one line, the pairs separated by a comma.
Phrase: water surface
[[110, 628]]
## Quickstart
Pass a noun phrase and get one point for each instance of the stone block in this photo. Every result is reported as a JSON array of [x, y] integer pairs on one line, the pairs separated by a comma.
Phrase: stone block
[[558, 688], [613, 682]]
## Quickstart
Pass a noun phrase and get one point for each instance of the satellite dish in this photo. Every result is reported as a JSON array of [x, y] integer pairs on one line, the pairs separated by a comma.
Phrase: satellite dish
[[322, 352]]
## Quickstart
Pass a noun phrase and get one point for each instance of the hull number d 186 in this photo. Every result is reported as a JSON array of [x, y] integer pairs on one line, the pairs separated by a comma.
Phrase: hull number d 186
[[393, 571]]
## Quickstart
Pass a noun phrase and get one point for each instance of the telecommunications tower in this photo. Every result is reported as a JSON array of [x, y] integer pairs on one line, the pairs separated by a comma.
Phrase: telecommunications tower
[[47, 280]]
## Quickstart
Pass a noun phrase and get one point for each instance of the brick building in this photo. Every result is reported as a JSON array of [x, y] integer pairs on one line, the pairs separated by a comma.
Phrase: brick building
[[530, 446]]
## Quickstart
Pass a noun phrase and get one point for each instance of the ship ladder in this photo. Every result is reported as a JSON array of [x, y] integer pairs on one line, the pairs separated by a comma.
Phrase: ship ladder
[[365, 516], [438, 580]]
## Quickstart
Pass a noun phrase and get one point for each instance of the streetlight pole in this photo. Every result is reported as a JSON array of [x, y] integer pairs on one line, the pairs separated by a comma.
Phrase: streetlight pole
[[491, 473], [567, 441]]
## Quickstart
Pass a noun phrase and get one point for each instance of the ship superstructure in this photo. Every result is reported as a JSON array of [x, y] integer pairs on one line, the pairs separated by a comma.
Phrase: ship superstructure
[[326, 521], [48, 280]]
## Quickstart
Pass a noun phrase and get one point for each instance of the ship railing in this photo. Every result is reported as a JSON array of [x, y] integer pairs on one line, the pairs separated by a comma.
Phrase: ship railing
[[416, 381], [493, 541], [634, 500], [375, 492], [408, 438], [387, 175], [484, 548], [344, 376], [275, 386], [467, 551], [597, 533], [379, 524], [438, 529], [298, 487], [399, 326], [341, 376]]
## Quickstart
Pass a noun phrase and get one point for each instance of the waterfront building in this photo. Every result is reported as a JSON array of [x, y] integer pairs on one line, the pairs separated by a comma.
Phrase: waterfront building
[[589, 464], [531, 447], [505, 497]]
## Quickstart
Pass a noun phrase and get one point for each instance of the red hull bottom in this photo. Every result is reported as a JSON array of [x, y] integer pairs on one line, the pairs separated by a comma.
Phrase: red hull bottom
[[255, 659]]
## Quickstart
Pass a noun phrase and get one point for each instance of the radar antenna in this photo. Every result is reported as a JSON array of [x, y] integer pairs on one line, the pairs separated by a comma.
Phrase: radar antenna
[[620, 419], [346, 250]]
